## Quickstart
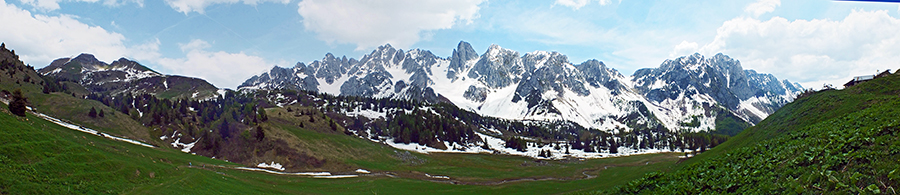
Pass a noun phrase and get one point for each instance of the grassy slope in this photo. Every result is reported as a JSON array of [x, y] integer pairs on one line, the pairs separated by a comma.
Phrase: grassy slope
[[806, 111], [841, 140], [41, 157], [64, 106], [352, 153]]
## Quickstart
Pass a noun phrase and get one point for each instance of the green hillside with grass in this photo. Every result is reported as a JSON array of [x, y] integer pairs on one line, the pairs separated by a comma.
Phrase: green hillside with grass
[[832, 141], [39, 157]]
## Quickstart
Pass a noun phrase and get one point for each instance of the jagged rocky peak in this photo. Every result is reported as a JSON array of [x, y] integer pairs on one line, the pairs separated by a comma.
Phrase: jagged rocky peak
[[387, 53], [330, 68], [279, 78], [548, 71], [692, 74], [418, 60], [498, 67], [539, 59], [462, 54], [597, 74], [720, 78]]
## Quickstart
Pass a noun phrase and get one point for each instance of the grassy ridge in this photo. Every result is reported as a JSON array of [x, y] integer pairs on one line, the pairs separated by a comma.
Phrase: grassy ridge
[[833, 141]]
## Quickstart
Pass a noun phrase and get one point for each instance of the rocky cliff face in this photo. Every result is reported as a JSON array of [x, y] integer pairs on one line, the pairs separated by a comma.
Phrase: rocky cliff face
[[690, 92]]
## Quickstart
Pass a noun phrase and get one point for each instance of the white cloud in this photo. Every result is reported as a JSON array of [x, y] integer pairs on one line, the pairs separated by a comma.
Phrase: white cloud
[[762, 6], [812, 52], [684, 48], [372, 23], [38, 39], [49, 5], [220, 68], [188, 6], [576, 4], [148, 51], [194, 45]]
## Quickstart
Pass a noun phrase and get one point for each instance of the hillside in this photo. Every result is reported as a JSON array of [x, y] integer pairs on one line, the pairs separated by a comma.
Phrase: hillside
[[14, 74], [832, 141]]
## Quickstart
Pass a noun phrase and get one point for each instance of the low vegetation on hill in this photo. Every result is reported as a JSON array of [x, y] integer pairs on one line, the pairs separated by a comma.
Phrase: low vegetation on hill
[[831, 141]]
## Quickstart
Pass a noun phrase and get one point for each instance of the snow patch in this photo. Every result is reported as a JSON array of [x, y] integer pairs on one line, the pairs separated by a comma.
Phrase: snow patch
[[367, 113], [90, 131], [285, 173], [272, 165], [335, 176], [184, 147], [437, 176]]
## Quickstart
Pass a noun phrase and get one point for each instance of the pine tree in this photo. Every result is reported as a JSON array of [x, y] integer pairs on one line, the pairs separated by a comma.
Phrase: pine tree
[[262, 115], [101, 114], [93, 113], [333, 125], [17, 106], [260, 134]]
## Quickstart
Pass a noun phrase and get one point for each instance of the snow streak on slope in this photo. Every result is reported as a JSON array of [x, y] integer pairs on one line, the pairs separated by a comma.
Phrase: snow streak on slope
[[90, 131]]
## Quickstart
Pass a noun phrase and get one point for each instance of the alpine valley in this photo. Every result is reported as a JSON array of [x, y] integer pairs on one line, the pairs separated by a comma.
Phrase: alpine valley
[[499, 121], [498, 102]]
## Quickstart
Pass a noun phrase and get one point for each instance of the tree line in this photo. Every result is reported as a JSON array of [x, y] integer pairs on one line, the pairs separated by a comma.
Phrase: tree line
[[411, 121]]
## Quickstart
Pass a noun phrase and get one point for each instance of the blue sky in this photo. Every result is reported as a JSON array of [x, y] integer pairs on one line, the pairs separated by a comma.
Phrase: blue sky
[[812, 42]]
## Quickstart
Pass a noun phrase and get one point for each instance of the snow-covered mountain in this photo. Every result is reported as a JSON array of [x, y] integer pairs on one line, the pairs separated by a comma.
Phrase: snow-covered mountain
[[690, 85], [691, 92], [125, 76]]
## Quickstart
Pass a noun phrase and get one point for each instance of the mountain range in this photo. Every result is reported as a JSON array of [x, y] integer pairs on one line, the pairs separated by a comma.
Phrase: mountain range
[[693, 93], [551, 98]]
